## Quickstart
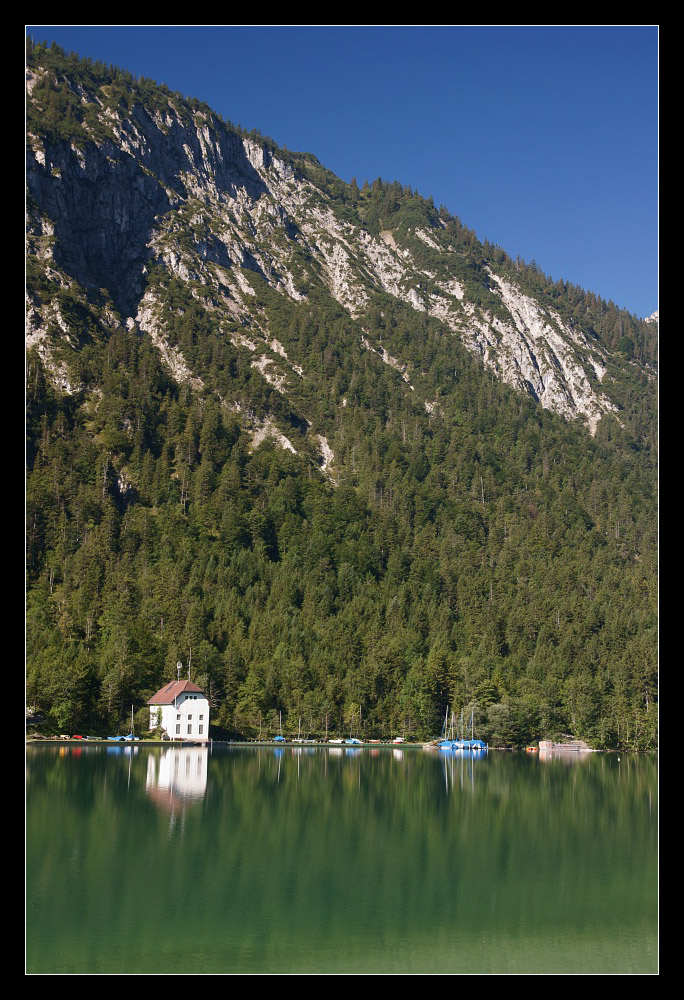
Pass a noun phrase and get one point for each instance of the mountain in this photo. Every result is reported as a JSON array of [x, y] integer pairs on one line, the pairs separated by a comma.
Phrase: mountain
[[318, 439]]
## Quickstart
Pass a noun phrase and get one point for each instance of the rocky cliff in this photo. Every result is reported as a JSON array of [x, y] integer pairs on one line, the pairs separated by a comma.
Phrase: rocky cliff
[[172, 186]]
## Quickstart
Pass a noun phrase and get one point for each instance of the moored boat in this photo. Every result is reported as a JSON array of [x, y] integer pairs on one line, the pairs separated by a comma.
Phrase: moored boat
[[450, 741]]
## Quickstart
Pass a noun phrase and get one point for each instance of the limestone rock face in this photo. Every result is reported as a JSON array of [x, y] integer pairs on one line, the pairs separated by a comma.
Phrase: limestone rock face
[[182, 190], [104, 207]]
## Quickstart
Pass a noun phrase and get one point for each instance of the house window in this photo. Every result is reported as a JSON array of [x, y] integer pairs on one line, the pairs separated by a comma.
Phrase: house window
[[178, 716], [189, 730], [201, 716], [201, 729], [189, 717], [177, 730]]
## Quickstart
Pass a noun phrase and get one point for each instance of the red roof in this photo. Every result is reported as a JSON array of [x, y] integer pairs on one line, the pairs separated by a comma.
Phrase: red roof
[[168, 694]]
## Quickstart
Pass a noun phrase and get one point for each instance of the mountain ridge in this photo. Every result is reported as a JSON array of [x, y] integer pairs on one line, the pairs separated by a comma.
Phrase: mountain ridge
[[194, 293], [254, 192]]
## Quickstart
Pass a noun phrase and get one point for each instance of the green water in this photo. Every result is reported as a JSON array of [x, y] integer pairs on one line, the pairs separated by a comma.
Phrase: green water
[[260, 861]]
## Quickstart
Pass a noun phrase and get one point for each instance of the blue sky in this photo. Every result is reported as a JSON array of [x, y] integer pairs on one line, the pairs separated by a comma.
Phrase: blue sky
[[541, 139]]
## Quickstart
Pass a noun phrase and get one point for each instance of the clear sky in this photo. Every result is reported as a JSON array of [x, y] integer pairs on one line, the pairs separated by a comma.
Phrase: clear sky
[[541, 139]]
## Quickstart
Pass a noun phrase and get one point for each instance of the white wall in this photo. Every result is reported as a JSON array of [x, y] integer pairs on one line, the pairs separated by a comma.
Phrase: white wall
[[188, 719]]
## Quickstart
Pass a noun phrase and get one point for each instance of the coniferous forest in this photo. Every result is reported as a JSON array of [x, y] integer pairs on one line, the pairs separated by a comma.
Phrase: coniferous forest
[[465, 548]]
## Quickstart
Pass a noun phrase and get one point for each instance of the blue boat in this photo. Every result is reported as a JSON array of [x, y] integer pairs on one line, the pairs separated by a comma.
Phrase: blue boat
[[280, 738], [129, 737], [450, 742], [446, 741]]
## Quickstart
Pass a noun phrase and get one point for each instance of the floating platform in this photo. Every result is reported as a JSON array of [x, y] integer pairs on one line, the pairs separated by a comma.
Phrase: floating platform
[[568, 746]]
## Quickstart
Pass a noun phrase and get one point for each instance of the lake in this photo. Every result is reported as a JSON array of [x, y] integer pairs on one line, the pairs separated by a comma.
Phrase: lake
[[322, 860]]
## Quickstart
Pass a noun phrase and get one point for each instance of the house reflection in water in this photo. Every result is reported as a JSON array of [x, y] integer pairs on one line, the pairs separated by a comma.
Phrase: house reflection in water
[[177, 777]]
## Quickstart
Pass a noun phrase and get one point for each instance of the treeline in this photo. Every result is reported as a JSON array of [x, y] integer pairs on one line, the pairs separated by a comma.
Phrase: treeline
[[383, 205], [71, 91]]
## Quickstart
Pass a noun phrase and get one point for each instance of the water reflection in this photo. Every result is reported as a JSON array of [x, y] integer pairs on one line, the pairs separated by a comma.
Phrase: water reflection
[[566, 756], [177, 776], [389, 860], [459, 767]]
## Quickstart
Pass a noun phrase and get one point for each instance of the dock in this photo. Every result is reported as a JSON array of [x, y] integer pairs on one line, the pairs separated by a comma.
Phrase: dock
[[567, 746]]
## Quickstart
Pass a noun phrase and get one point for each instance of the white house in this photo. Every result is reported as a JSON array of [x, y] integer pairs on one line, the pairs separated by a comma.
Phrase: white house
[[182, 710]]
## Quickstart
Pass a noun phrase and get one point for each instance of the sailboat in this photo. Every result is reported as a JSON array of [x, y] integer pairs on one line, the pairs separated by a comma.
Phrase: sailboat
[[473, 744], [280, 738], [131, 736], [353, 740], [447, 739]]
